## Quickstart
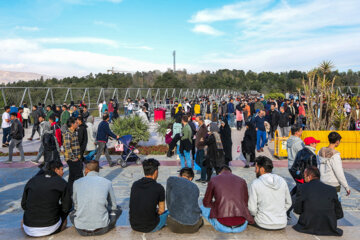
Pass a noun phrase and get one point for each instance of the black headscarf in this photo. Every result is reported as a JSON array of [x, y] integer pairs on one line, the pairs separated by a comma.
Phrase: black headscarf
[[225, 133]]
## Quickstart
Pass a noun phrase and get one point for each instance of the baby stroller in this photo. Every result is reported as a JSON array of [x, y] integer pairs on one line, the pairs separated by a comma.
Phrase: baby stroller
[[128, 152]]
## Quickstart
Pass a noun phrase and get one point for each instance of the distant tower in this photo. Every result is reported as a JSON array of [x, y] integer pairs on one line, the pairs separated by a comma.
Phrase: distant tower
[[174, 56]]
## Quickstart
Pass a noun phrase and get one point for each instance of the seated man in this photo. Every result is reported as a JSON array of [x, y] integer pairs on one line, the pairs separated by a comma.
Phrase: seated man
[[95, 210], [147, 200], [318, 206], [225, 203], [46, 202], [269, 197], [182, 200]]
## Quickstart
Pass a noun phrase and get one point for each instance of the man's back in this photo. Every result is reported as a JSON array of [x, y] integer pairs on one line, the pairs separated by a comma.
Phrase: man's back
[[145, 195], [182, 200], [269, 200], [294, 145], [90, 196], [41, 198], [319, 209]]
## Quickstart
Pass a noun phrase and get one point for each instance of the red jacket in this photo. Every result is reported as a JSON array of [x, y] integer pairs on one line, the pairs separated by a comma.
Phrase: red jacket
[[231, 197], [19, 117], [57, 131]]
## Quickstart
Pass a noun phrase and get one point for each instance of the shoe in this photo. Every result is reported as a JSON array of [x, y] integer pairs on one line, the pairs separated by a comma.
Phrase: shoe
[[261, 149], [246, 166], [8, 162], [258, 151], [4, 145], [266, 144], [199, 180], [30, 139], [34, 161], [112, 164]]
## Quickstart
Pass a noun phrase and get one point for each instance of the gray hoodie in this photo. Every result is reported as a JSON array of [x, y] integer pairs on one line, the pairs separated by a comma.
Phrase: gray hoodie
[[331, 170], [294, 145], [269, 199]]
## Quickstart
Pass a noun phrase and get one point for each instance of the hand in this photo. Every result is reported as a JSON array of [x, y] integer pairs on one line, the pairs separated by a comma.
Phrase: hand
[[348, 192], [256, 129], [117, 137]]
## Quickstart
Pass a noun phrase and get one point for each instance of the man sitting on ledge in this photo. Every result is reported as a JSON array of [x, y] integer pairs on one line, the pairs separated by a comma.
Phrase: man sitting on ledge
[[147, 200], [95, 210], [182, 200], [269, 196], [318, 206], [46, 202], [228, 212]]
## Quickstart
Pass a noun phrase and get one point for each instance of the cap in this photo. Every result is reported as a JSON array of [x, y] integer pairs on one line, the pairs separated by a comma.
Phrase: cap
[[310, 140]]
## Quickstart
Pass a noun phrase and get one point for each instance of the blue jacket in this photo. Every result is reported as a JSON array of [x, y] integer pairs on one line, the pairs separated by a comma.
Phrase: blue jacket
[[259, 123], [230, 108], [104, 132]]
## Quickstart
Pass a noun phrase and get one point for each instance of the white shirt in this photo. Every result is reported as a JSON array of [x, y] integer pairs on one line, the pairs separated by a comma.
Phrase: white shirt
[[41, 231], [4, 123]]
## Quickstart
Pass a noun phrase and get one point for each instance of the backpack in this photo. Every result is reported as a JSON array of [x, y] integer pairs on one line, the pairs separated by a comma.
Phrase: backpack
[[49, 142]]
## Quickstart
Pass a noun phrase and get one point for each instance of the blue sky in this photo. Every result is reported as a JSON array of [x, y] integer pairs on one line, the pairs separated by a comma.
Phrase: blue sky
[[76, 37]]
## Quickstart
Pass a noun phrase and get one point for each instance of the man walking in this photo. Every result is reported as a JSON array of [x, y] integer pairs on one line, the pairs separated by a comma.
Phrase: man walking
[[44, 127], [200, 145], [65, 115], [16, 134], [231, 112], [36, 113], [5, 125], [82, 135], [260, 131]]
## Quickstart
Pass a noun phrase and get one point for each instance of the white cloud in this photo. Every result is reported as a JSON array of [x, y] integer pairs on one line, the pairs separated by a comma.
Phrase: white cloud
[[27, 28], [79, 40], [206, 29], [106, 24]]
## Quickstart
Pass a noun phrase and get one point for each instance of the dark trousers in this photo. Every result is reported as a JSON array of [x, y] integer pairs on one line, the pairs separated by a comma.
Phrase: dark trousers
[[173, 142], [35, 129], [239, 124], [6, 135], [200, 161], [51, 156], [293, 196], [113, 217], [176, 227], [75, 172], [25, 123], [101, 147]]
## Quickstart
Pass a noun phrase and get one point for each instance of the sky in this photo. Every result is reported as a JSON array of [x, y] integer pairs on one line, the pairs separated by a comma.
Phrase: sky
[[76, 37]]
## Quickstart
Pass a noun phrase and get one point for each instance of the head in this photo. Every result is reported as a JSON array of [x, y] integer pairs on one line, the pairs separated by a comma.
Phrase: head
[[13, 116], [92, 166], [64, 107], [20, 109], [334, 138], [41, 118], [272, 106], [48, 108], [225, 168], [184, 120], [263, 165], [57, 167], [90, 119], [200, 120], [187, 173], [296, 130], [52, 118], [80, 120], [72, 123], [310, 141], [34, 108], [311, 173], [85, 108], [282, 110], [151, 168], [106, 117], [262, 113]]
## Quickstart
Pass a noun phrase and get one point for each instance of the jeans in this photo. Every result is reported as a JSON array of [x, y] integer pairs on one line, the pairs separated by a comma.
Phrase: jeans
[[218, 226], [162, 222], [260, 139], [111, 116], [113, 217], [200, 160], [126, 111], [100, 149], [231, 118], [6, 135], [35, 129], [18, 144], [284, 131], [40, 153], [185, 157]]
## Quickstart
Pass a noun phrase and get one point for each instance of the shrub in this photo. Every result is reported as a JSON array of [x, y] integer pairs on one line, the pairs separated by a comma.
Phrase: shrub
[[132, 126], [275, 96], [162, 126]]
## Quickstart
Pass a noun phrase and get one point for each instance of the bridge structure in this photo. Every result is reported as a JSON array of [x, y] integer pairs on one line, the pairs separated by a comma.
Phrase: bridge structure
[[93, 96]]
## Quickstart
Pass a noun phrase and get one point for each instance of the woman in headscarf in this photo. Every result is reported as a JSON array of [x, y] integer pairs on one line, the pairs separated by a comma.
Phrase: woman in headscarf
[[225, 133], [248, 144], [214, 157]]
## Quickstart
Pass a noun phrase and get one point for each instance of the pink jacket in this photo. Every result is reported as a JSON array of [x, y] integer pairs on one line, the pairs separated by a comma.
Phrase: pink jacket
[[239, 115]]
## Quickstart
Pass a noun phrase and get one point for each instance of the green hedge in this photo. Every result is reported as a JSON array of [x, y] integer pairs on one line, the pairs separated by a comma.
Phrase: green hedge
[[275, 95]]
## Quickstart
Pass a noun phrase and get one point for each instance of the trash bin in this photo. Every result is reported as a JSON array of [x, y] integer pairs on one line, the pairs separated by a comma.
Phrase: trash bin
[[280, 149], [159, 114]]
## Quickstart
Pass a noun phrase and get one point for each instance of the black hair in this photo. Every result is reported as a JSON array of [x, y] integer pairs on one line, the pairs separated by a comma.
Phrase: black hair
[[70, 122], [106, 116], [25, 105], [48, 106], [185, 118], [6, 108], [264, 162], [334, 137], [81, 119], [52, 165], [225, 167], [150, 166], [295, 128], [20, 108], [13, 114], [52, 117], [178, 119], [313, 171], [187, 172], [64, 106], [35, 107]]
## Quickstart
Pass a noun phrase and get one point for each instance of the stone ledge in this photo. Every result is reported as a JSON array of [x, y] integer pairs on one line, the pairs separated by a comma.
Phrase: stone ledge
[[206, 232]]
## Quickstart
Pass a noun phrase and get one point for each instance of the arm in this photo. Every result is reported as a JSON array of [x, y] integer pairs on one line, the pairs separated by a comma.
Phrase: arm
[[161, 203], [109, 132], [67, 147], [299, 202], [24, 197], [209, 194], [252, 203], [339, 172], [288, 200], [111, 198], [66, 202]]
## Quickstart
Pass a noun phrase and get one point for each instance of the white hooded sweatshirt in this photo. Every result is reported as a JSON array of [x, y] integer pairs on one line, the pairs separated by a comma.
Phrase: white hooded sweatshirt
[[269, 199]]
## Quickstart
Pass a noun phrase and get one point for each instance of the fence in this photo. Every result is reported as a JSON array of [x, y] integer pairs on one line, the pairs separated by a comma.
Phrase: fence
[[92, 96]]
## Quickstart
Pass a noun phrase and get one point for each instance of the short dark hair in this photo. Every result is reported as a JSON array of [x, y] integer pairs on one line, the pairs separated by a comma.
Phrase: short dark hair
[[20, 108], [187, 172], [34, 106], [13, 114], [178, 119], [48, 106], [225, 167], [6, 108], [52, 165], [93, 165], [81, 119], [70, 122], [313, 171], [265, 162], [185, 118], [64, 106], [295, 128], [52, 117], [150, 166], [334, 137], [105, 116]]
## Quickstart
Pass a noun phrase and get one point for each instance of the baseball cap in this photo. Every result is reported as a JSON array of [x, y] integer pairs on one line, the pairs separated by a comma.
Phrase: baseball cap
[[310, 140]]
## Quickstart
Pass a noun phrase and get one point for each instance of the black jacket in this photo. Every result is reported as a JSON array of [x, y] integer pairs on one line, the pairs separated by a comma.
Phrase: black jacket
[[248, 144], [16, 130], [319, 208], [83, 137], [283, 119], [215, 157], [225, 133], [41, 197], [304, 158], [274, 117]]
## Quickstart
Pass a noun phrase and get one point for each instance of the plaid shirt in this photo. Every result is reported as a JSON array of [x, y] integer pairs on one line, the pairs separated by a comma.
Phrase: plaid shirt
[[71, 146]]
